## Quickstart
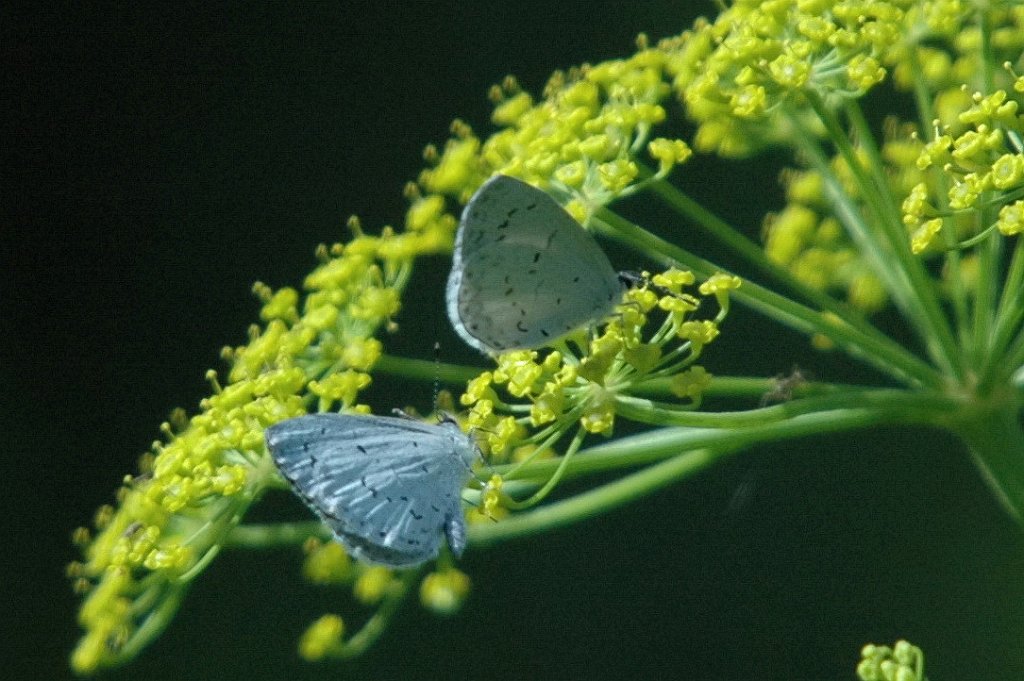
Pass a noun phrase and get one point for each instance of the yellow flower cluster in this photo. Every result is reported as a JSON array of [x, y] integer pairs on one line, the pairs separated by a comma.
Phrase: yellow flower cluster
[[809, 241], [982, 167], [584, 139], [564, 387], [173, 518], [759, 59], [902, 662]]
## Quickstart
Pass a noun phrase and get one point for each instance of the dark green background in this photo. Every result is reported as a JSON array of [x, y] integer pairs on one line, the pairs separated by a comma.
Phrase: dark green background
[[161, 158]]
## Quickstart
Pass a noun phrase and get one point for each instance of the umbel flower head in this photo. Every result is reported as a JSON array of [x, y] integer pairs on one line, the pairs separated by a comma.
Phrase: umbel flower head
[[921, 219], [312, 352]]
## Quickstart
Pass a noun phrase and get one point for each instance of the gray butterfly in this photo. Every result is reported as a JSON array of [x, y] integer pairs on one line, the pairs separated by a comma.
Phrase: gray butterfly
[[387, 487], [524, 271]]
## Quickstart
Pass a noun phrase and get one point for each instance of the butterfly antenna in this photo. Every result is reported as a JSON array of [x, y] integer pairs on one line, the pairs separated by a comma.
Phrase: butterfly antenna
[[631, 279], [437, 375]]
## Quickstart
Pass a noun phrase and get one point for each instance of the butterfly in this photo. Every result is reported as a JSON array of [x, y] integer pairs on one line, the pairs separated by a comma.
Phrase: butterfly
[[389, 488], [524, 272]]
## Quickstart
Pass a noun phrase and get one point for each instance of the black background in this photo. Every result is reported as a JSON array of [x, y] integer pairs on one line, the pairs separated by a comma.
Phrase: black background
[[159, 158]]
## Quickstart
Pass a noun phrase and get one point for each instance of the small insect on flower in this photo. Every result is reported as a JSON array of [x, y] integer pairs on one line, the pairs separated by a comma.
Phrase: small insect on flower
[[783, 387], [387, 487], [524, 273]]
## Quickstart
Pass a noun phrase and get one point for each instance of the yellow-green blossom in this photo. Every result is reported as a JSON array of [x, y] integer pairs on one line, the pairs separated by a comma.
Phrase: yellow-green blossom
[[313, 353], [327, 563], [444, 591], [373, 584], [322, 638], [902, 662], [1011, 219], [779, 73], [577, 385], [583, 139]]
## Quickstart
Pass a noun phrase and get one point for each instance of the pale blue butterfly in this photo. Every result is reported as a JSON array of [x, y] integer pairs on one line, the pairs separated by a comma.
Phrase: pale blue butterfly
[[524, 272], [388, 488]]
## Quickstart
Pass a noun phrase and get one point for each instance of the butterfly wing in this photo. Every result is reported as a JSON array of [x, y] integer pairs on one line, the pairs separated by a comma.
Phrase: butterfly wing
[[387, 487], [524, 271]]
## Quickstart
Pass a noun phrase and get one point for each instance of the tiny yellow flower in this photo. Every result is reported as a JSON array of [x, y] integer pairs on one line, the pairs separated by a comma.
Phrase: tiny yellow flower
[[373, 584], [341, 387], [864, 72], [444, 591], [1008, 171], [424, 211], [690, 383], [719, 283], [282, 304], [789, 71], [915, 204], [700, 333], [327, 563], [599, 416], [1011, 219], [673, 279], [923, 236], [457, 168], [322, 638], [668, 153], [361, 353], [478, 389], [512, 109], [548, 405]]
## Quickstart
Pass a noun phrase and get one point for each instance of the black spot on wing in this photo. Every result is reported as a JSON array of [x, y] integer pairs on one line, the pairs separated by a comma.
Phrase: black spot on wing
[[373, 491]]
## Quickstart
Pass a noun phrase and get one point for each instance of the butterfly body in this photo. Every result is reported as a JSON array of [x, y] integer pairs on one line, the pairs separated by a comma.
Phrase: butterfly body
[[389, 488]]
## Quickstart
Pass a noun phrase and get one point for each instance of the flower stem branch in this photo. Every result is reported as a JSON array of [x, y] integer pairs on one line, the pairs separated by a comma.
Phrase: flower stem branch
[[884, 354]]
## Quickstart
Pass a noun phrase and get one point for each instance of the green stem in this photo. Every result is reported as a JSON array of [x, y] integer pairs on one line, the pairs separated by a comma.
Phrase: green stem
[[886, 355], [926, 116], [996, 442], [755, 256], [1014, 357], [378, 624], [885, 243], [990, 255], [682, 452], [743, 386], [425, 370], [1008, 320], [600, 500], [863, 133], [656, 445], [892, 401], [155, 621], [555, 478]]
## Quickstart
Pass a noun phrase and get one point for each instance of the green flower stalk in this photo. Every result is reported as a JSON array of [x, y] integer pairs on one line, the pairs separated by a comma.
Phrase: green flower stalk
[[921, 218]]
